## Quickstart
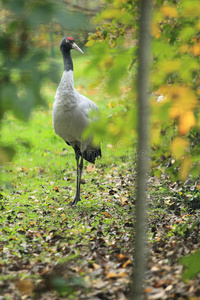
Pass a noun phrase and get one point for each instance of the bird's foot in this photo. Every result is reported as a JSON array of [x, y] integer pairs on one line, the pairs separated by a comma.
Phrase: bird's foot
[[76, 200]]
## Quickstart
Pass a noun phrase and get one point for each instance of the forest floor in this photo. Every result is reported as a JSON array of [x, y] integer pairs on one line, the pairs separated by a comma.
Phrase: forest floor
[[50, 250]]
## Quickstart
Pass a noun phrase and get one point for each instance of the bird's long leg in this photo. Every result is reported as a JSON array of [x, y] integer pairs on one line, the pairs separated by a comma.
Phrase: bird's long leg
[[78, 180]]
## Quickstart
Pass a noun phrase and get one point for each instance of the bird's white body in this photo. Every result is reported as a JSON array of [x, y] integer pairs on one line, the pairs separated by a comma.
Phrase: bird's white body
[[71, 113]]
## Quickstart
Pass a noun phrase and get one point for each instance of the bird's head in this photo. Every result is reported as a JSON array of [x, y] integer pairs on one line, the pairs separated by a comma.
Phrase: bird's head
[[68, 43]]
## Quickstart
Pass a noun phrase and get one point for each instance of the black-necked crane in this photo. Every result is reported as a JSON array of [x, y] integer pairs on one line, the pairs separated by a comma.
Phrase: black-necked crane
[[73, 113]]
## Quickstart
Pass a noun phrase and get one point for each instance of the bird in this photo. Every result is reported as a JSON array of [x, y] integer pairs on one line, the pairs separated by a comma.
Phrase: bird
[[73, 113]]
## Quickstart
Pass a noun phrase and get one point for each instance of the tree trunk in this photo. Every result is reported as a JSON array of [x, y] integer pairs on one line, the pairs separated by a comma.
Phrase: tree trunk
[[142, 152]]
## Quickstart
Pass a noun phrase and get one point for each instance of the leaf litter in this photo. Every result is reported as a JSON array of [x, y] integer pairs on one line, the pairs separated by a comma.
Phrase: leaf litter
[[50, 250]]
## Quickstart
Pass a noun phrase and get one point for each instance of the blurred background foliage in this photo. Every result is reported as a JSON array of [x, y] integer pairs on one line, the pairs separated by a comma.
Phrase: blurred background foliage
[[174, 96], [31, 29]]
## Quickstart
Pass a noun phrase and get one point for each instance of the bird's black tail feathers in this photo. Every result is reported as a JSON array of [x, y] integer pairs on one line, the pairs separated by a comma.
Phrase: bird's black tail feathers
[[90, 155]]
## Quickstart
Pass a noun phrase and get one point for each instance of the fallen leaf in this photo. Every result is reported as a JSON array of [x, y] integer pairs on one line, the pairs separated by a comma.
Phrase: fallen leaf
[[111, 275], [96, 266], [91, 168], [107, 215], [56, 189], [122, 274], [25, 286], [128, 262], [122, 257]]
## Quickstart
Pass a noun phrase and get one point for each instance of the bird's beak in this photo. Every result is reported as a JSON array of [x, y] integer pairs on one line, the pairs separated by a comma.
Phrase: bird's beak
[[74, 46]]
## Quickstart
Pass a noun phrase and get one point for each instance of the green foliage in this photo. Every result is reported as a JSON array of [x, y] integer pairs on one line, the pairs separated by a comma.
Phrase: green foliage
[[191, 264], [25, 63], [175, 36], [70, 20], [21, 74]]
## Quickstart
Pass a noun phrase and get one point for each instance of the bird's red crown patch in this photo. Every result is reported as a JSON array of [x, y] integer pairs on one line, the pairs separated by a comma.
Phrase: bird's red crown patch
[[70, 39]]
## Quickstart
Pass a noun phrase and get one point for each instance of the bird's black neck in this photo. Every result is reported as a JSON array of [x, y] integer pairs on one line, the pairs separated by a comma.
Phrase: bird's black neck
[[67, 59]]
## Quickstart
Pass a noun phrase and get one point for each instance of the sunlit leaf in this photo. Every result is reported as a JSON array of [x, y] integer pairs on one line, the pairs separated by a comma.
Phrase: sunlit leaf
[[186, 122], [178, 146], [169, 11], [191, 10]]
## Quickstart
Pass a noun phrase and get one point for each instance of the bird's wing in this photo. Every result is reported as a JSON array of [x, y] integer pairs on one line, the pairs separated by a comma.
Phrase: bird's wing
[[89, 108]]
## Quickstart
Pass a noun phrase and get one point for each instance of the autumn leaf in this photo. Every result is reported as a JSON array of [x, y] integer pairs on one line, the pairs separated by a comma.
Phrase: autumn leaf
[[128, 262], [155, 30], [121, 275], [25, 286], [178, 146], [169, 11], [186, 122], [171, 66], [56, 189], [122, 257], [185, 167], [107, 215], [91, 168], [196, 49], [111, 275], [96, 266], [182, 99]]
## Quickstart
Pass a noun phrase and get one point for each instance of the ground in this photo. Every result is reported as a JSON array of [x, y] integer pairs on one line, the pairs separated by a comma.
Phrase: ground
[[50, 250]]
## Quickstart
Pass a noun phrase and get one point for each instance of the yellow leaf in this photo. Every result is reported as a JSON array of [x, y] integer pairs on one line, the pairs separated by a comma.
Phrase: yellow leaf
[[185, 48], [123, 274], [182, 99], [107, 215], [111, 275], [196, 50], [155, 133], [155, 30], [128, 262], [169, 11], [178, 146], [90, 43], [56, 189], [112, 104], [122, 257], [185, 167], [186, 122], [112, 13], [174, 112], [171, 66], [155, 27]]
